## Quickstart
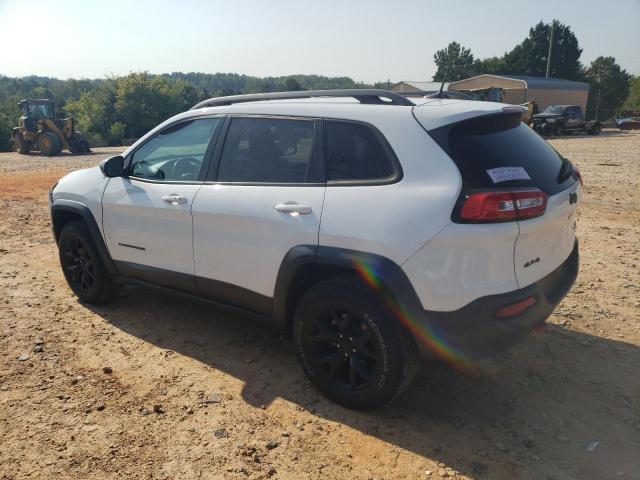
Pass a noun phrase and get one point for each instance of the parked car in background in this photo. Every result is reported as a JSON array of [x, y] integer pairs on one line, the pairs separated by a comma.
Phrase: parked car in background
[[630, 123], [561, 119]]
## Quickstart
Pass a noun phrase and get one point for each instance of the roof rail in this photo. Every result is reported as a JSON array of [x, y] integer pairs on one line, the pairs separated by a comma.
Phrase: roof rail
[[369, 96]]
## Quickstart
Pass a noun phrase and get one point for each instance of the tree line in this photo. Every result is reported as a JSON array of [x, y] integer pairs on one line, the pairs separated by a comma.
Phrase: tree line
[[612, 88], [110, 109]]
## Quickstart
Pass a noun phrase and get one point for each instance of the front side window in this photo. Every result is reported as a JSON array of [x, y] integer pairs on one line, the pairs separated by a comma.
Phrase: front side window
[[267, 150], [355, 152], [176, 153]]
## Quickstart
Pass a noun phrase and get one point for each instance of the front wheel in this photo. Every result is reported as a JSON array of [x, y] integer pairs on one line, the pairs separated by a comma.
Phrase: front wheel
[[50, 144], [350, 347], [83, 267]]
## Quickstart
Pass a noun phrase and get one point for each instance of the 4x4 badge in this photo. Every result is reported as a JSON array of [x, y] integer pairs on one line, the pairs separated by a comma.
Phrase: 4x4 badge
[[531, 262]]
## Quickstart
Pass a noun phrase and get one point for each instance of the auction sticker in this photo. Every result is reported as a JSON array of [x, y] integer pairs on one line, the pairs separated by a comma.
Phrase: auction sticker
[[504, 174]]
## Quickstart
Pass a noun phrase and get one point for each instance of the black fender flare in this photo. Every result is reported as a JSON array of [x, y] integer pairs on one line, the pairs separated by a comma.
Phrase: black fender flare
[[382, 275], [60, 207]]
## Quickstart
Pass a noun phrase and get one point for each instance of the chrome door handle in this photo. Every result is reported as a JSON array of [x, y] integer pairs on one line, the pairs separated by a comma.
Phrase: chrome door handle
[[174, 199], [292, 208]]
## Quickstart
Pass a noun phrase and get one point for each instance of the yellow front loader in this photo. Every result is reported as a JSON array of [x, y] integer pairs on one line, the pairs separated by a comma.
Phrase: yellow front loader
[[39, 129]]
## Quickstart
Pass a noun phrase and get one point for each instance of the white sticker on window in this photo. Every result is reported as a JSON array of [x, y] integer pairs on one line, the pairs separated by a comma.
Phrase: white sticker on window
[[504, 174]]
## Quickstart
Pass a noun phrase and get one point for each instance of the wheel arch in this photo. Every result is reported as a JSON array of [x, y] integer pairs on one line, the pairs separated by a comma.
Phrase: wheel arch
[[65, 211], [306, 265]]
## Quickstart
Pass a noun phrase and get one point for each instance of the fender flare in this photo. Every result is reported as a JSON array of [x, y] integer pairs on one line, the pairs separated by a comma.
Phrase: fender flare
[[383, 276], [76, 208]]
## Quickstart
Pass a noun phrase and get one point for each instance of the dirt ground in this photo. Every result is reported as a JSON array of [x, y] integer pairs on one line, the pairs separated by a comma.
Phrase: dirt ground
[[199, 392]]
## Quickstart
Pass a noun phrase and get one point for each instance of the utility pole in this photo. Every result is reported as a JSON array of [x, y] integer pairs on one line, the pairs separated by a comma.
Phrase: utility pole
[[551, 40], [597, 104]]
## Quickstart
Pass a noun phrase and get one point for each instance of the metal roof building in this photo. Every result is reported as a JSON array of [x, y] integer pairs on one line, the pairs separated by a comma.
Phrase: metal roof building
[[520, 89], [418, 87]]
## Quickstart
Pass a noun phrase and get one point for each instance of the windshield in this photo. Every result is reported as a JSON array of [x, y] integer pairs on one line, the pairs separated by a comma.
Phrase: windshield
[[40, 110], [556, 109]]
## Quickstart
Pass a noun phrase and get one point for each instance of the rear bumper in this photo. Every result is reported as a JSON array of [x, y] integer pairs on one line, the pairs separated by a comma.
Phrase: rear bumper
[[474, 331]]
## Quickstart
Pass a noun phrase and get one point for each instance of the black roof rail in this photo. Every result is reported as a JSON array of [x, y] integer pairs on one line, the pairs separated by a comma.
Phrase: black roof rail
[[370, 96]]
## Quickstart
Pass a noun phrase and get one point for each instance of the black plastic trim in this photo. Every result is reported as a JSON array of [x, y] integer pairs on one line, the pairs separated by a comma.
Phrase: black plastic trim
[[60, 206], [206, 288]]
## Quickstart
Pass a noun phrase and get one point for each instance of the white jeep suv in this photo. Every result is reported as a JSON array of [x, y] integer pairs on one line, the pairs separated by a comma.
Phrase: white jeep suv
[[371, 227]]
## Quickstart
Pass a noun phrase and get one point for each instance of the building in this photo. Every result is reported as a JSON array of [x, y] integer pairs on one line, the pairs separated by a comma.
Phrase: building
[[418, 87], [520, 89]]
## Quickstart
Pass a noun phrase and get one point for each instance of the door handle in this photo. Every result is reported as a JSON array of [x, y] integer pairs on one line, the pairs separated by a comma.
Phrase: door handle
[[292, 208], [174, 199]]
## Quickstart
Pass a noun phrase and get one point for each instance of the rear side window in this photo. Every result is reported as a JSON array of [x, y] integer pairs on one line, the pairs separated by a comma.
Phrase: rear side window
[[357, 152], [482, 145], [267, 150]]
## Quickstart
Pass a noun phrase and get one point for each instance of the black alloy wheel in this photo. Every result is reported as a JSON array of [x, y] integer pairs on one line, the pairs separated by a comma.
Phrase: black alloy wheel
[[78, 265], [345, 349]]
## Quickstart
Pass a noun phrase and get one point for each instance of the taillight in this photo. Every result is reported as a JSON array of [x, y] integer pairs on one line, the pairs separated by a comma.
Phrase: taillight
[[503, 206], [515, 308], [575, 173]]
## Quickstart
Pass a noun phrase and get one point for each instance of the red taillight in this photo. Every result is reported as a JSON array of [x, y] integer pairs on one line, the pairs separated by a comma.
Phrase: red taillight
[[497, 206], [575, 173], [515, 308]]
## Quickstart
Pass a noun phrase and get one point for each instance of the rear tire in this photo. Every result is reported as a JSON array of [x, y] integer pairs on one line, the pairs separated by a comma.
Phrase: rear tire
[[83, 267], [78, 144], [595, 130], [49, 144], [350, 347]]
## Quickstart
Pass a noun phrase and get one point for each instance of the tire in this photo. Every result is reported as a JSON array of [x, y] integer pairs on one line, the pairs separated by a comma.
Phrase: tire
[[49, 143], [22, 146], [350, 347], [595, 130], [83, 267], [78, 144], [559, 131]]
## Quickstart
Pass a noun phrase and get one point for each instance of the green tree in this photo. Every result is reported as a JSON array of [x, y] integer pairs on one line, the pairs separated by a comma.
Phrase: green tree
[[610, 83], [632, 103], [530, 56], [459, 58]]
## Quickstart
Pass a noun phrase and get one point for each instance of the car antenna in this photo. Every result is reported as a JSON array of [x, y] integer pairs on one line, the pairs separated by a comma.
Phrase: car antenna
[[446, 74]]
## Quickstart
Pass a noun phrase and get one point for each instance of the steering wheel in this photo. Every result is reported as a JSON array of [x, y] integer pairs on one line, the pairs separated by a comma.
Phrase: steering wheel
[[186, 168]]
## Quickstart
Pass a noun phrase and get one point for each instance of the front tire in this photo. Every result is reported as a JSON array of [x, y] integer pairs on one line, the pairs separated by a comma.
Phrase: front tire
[[50, 144], [350, 347], [83, 267], [22, 146]]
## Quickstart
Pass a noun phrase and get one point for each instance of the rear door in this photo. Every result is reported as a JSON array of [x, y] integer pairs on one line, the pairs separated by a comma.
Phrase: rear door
[[499, 152], [263, 197]]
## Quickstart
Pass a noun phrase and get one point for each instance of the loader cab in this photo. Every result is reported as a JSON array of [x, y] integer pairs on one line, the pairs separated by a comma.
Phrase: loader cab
[[33, 110]]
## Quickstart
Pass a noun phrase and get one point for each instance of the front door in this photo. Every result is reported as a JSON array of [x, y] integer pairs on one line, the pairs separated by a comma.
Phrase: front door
[[147, 215], [265, 198]]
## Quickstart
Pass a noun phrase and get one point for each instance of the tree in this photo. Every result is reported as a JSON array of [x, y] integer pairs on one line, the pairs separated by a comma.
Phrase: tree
[[530, 56], [610, 83], [461, 61], [632, 103]]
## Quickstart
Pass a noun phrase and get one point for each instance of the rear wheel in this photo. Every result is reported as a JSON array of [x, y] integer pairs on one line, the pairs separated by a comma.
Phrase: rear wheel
[[78, 144], [49, 144], [595, 130], [350, 347], [83, 267]]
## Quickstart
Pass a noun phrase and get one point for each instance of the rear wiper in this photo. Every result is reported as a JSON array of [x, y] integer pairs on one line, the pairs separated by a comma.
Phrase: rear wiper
[[565, 170]]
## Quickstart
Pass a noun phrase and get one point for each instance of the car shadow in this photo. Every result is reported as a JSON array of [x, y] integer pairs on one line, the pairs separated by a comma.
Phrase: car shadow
[[563, 404]]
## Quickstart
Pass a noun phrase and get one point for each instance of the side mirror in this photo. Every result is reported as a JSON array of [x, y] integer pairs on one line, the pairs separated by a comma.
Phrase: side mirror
[[113, 166]]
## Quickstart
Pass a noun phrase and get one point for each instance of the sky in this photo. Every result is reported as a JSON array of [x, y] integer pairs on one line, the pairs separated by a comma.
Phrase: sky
[[366, 40]]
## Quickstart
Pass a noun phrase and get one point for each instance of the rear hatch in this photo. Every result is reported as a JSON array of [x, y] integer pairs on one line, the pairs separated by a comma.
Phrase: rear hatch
[[510, 174]]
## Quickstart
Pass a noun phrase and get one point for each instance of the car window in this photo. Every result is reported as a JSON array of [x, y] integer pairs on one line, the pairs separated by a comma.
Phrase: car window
[[176, 153], [355, 152], [267, 150]]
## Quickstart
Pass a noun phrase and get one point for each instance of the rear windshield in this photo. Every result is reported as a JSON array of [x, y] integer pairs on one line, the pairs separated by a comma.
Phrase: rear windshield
[[500, 151]]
